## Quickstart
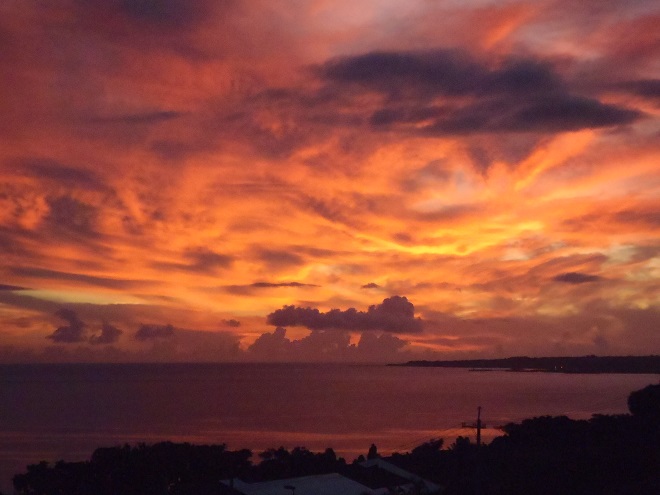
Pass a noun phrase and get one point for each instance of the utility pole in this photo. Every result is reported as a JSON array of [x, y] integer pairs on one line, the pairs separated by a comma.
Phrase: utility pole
[[477, 466], [478, 426]]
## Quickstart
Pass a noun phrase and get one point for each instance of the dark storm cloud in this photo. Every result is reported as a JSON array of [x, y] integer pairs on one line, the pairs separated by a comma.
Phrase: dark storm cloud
[[394, 314], [153, 332], [371, 285], [267, 285], [204, 260], [646, 88], [109, 335], [549, 113], [441, 72], [138, 118], [199, 260], [111, 283], [520, 95], [231, 323], [445, 72], [576, 278], [257, 286], [67, 214], [11, 287], [72, 333], [278, 258], [565, 113], [47, 169], [151, 15]]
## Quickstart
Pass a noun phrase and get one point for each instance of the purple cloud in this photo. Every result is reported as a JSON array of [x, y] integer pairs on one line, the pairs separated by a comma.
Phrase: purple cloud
[[72, 333], [395, 314]]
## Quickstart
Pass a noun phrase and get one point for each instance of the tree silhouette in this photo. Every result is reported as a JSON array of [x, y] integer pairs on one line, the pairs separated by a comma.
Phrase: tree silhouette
[[645, 402]]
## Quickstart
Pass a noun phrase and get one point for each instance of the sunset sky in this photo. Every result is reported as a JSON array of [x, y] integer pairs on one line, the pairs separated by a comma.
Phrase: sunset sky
[[328, 179]]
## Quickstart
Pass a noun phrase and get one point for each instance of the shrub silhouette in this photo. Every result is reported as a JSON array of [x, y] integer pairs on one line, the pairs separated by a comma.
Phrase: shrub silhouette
[[645, 402]]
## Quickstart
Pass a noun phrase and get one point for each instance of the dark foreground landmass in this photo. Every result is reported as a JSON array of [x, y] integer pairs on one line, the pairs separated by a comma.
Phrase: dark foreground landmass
[[606, 455], [580, 364]]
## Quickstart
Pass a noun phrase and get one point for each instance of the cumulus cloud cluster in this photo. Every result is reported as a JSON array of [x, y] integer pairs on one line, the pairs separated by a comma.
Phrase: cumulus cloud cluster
[[77, 331], [329, 338], [73, 332], [395, 314], [109, 335], [326, 345], [150, 342]]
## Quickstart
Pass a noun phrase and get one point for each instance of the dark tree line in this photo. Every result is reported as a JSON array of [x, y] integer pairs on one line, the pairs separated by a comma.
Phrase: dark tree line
[[608, 455], [578, 364], [143, 469], [169, 468]]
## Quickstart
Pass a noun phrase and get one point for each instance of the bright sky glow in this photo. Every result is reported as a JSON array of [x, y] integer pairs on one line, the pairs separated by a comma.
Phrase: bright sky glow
[[204, 164]]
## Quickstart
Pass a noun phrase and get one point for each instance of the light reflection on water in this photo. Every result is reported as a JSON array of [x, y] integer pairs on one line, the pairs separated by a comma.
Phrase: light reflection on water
[[56, 412]]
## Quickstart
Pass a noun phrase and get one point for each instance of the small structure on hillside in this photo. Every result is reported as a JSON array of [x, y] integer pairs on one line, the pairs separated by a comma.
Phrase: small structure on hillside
[[322, 484], [372, 477]]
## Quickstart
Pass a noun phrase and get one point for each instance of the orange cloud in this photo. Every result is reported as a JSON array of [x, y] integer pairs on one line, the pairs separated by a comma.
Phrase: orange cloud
[[190, 165]]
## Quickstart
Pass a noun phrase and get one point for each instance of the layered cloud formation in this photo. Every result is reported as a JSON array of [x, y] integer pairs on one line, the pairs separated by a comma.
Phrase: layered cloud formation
[[379, 180], [394, 314]]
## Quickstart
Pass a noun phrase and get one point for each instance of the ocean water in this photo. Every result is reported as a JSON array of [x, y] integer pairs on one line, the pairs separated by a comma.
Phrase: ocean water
[[52, 412]]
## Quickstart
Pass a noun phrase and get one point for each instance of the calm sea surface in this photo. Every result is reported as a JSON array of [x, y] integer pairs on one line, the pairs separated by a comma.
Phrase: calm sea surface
[[54, 412]]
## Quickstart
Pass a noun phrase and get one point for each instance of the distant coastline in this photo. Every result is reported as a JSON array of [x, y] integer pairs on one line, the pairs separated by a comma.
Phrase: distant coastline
[[578, 364]]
